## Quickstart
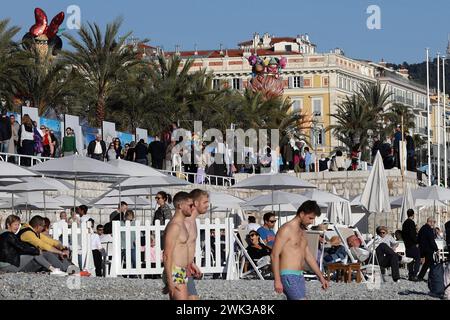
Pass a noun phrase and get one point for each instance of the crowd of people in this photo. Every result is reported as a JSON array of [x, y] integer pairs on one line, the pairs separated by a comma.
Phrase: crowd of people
[[28, 247]]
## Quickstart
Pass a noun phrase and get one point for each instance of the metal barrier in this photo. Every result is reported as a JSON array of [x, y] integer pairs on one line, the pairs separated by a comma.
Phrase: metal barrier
[[22, 159]]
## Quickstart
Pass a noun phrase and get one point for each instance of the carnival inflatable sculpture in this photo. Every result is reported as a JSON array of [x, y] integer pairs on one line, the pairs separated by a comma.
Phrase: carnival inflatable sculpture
[[266, 75], [42, 35]]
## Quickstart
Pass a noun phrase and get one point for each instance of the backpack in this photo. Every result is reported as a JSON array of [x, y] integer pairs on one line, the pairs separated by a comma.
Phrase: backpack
[[436, 282]]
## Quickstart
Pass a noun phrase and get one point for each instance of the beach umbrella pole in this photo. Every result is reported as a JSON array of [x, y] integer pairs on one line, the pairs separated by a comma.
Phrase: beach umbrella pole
[[74, 194], [151, 206], [45, 205]]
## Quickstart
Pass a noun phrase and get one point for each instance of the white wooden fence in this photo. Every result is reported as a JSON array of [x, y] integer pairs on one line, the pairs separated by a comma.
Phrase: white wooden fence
[[78, 239], [209, 259]]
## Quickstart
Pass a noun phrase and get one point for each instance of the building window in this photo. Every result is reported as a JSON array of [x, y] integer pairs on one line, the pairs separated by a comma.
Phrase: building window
[[317, 106], [318, 136], [297, 105], [216, 84], [296, 82], [237, 84], [288, 48]]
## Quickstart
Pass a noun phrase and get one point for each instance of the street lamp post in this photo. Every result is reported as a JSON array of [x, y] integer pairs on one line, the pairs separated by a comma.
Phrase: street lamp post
[[370, 142], [315, 142]]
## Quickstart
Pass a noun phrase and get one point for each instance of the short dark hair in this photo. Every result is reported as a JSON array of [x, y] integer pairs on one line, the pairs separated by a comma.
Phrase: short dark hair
[[122, 203], [180, 197], [141, 140], [268, 215], [251, 219], [37, 221], [99, 226], [410, 213], [308, 207], [84, 208]]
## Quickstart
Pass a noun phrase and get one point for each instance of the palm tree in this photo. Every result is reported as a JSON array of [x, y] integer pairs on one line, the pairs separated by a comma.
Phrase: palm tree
[[44, 81], [7, 52], [375, 97], [100, 59], [353, 119], [128, 101], [399, 114], [170, 87]]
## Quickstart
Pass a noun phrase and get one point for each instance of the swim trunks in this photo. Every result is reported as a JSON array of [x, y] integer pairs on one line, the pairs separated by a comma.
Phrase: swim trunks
[[293, 284]]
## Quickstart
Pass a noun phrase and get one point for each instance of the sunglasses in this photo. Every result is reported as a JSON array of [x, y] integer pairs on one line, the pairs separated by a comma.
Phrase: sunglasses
[[382, 232], [157, 198], [272, 221], [253, 235]]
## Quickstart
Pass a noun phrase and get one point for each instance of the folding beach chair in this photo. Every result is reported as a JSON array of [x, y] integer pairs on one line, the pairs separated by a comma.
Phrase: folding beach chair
[[313, 238], [256, 266], [344, 232]]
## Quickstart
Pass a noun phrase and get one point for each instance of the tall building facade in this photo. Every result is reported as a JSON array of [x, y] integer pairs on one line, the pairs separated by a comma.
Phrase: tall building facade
[[314, 82]]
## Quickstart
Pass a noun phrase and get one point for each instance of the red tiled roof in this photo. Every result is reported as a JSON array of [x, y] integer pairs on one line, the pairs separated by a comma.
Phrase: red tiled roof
[[285, 39], [144, 46], [245, 43]]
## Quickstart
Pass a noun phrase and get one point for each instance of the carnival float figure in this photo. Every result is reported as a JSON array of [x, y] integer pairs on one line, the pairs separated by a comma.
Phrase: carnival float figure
[[266, 75], [43, 36]]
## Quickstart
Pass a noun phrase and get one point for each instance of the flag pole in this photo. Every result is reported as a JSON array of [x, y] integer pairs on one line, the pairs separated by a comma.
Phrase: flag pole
[[428, 118], [438, 122], [445, 122]]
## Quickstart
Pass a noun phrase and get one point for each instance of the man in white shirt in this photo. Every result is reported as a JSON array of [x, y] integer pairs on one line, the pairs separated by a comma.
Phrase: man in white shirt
[[252, 225], [97, 148], [98, 252], [84, 217], [58, 225], [384, 237]]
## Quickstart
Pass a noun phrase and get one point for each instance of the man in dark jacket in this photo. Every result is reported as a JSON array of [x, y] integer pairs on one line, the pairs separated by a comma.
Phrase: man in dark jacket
[[158, 152], [409, 235], [5, 131], [141, 152], [427, 246], [97, 148]]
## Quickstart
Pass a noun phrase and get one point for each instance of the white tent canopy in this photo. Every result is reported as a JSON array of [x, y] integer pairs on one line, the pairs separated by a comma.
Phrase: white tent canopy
[[11, 170]]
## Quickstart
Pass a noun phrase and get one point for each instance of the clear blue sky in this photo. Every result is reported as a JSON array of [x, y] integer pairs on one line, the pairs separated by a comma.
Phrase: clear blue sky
[[407, 26]]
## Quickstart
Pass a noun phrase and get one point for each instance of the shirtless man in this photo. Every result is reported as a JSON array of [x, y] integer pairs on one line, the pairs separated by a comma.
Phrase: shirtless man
[[176, 253], [201, 205], [290, 252]]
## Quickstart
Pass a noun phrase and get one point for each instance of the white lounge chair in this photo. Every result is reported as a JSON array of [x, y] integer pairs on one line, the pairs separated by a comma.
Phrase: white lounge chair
[[345, 232]]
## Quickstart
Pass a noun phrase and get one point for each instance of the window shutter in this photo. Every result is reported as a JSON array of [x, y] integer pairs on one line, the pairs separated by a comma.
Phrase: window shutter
[[241, 84], [291, 82], [301, 85]]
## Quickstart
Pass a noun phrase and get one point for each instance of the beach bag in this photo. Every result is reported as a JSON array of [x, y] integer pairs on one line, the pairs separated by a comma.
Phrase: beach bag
[[436, 282], [447, 281]]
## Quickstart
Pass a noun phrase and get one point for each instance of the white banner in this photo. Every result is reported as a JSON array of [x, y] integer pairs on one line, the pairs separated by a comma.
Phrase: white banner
[[32, 112], [141, 134], [73, 122], [108, 131]]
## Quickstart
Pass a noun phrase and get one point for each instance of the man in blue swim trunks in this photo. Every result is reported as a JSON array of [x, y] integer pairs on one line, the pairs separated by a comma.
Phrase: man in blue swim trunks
[[290, 252]]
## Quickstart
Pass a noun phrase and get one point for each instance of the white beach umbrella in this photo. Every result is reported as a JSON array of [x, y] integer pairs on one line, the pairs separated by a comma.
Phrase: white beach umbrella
[[273, 182], [76, 166], [375, 197], [13, 171]]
